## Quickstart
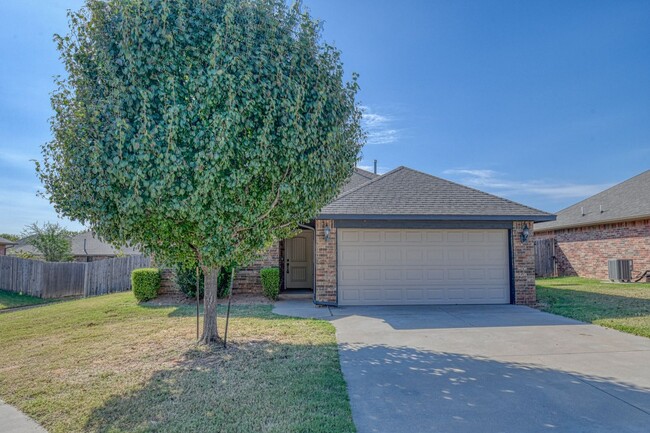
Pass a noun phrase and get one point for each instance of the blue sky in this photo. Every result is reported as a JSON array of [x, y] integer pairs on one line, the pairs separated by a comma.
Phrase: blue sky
[[542, 102]]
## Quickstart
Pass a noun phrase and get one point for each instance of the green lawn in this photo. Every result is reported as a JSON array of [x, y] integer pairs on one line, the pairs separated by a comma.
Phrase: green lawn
[[107, 364], [13, 300], [625, 307]]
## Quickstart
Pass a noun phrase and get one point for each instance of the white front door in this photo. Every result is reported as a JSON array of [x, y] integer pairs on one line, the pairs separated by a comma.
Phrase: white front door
[[298, 262], [409, 266]]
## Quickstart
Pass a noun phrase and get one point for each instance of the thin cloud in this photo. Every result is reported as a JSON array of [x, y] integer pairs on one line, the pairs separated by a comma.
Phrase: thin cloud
[[497, 182], [378, 127], [17, 159]]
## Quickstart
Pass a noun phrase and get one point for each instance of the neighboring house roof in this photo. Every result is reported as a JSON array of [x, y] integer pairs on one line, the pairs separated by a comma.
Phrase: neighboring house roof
[[4, 241], [358, 178], [94, 246], [405, 193], [626, 201]]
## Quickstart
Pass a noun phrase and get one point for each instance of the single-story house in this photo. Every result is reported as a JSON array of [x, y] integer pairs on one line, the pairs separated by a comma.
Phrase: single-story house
[[85, 246], [4, 244], [406, 238], [613, 224]]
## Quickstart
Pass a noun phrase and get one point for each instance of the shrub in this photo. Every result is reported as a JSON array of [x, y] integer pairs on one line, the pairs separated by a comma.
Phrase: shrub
[[271, 282], [145, 283], [186, 281]]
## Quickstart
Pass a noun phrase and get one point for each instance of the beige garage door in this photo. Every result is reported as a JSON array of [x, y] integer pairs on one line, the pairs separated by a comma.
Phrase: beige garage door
[[401, 267]]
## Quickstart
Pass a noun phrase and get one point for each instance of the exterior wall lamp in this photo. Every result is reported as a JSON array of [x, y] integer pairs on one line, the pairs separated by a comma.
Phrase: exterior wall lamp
[[327, 233], [525, 233]]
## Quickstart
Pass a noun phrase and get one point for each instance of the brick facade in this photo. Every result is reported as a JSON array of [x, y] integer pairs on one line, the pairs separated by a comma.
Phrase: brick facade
[[584, 251], [325, 262], [168, 284], [248, 279], [523, 264]]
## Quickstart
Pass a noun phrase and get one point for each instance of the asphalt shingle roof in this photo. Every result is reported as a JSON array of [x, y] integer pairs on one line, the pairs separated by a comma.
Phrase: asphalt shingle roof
[[623, 202], [4, 241], [408, 193], [94, 246], [358, 178]]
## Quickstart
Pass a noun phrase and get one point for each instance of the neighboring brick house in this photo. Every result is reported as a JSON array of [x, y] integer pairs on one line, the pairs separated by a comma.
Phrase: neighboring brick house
[[4, 244], [614, 224], [407, 237]]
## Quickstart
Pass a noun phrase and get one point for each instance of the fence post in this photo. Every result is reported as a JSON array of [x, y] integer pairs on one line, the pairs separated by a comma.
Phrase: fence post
[[86, 280]]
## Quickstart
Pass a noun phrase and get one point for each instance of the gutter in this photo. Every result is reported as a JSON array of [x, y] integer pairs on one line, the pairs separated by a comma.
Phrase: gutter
[[417, 217], [591, 223], [313, 257]]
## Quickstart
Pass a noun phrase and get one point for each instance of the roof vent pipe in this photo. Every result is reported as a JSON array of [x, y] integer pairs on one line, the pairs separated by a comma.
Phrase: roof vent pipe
[[601, 209], [582, 210], [375, 167]]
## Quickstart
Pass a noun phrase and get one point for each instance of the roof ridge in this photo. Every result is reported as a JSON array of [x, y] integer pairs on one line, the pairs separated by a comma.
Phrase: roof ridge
[[365, 173], [603, 191], [383, 176], [478, 190]]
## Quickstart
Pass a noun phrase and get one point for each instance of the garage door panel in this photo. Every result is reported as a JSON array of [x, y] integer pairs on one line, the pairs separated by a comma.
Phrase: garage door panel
[[393, 256], [414, 275], [435, 236], [414, 294], [476, 274], [435, 256], [372, 274], [413, 236], [435, 295], [393, 294], [435, 275], [415, 256], [393, 275], [350, 275], [370, 256], [372, 236], [455, 257], [412, 266], [476, 237], [350, 255], [392, 236], [349, 236]]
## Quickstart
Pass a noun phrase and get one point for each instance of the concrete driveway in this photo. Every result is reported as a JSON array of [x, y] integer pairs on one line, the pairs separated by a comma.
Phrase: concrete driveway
[[486, 369]]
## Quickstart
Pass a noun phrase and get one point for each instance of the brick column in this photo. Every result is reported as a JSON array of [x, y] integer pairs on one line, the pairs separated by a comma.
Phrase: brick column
[[325, 262], [523, 264]]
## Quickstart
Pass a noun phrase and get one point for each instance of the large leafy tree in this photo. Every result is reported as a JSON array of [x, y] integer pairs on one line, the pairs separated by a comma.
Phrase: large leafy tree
[[202, 130], [51, 240]]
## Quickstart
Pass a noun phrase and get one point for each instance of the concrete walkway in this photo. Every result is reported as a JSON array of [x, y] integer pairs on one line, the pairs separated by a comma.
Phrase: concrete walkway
[[14, 421], [486, 368]]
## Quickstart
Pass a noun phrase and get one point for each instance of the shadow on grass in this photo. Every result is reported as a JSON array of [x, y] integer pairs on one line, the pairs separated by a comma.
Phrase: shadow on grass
[[238, 310], [268, 387], [589, 306], [403, 389], [255, 386]]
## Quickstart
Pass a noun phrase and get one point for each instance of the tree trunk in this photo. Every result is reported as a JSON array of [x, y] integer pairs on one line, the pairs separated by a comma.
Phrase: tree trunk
[[210, 334]]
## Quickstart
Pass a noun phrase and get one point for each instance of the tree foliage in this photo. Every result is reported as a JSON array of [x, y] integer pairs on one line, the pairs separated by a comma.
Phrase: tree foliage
[[198, 129], [51, 240], [10, 236]]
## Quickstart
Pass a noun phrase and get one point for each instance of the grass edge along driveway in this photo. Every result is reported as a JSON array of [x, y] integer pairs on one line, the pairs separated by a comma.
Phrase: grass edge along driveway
[[108, 364], [621, 306]]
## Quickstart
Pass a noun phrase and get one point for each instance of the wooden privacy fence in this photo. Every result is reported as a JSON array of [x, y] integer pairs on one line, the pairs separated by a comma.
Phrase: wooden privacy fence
[[545, 258], [57, 280]]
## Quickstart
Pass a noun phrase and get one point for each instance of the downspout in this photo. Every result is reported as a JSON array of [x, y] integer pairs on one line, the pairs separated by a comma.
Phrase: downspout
[[313, 246]]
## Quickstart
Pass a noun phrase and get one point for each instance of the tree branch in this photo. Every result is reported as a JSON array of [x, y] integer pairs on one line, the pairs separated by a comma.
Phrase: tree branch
[[277, 197]]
